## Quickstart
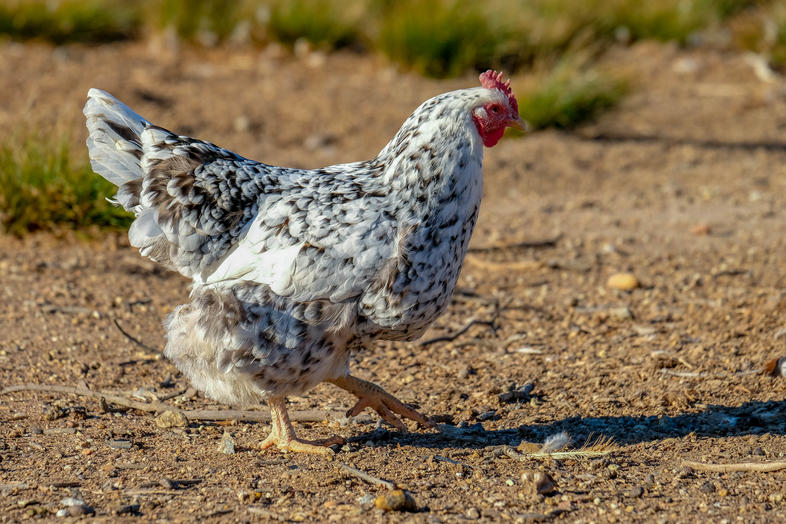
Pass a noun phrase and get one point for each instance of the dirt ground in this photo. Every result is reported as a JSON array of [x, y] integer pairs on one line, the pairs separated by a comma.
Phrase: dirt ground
[[683, 185]]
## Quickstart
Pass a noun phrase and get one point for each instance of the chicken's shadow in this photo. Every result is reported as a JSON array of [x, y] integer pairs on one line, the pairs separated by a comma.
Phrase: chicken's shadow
[[751, 418]]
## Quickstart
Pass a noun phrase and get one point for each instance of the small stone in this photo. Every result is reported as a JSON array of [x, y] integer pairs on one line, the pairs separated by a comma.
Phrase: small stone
[[636, 491], [622, 281], [539, 482], [396, 500], [227, 444], [707, 488], [79, 510], [758, 451], [71, 501], [473, 513], [621, 312], [700, 229], [62, 512], [119, 443], [366, 501], [171, 419], [166, 483], [127, 509], [776, 367]]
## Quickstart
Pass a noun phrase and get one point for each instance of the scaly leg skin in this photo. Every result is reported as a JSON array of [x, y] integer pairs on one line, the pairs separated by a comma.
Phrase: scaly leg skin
[[372, 396], [282, 434]]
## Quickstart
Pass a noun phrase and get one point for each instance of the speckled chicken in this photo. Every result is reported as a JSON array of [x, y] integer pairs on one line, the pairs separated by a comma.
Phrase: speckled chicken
[[294, 269]]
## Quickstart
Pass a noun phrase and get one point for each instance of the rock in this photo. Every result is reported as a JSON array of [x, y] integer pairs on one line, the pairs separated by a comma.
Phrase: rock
[[473, 514], [127, 509], [622, 281], [71, 501], [776, 367], [366, 501], [522, 394], [62, 512], [396, 500], [623, 312], [227, 444], [538, 482], [79, 510], [171, 419], [707, 488], [700, 229], [636, 492], [119, 443]]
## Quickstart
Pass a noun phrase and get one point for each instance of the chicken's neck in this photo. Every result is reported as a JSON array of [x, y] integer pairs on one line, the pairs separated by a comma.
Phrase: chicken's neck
[[433, 167]]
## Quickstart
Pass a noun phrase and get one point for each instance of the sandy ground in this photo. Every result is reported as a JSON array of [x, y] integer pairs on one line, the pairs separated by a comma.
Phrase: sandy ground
[[683, 186]]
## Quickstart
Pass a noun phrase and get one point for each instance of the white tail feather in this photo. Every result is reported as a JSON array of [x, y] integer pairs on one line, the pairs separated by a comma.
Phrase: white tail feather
[[114, 143]]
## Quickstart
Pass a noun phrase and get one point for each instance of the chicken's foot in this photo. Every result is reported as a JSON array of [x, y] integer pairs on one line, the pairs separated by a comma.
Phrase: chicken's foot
[[282, 434], [372, 396]]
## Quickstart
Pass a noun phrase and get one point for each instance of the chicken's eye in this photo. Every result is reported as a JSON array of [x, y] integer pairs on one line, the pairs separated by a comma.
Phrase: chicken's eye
[[495, 109]]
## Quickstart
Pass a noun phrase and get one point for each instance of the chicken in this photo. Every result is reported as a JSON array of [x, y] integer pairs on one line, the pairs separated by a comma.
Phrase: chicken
[[294, 269]]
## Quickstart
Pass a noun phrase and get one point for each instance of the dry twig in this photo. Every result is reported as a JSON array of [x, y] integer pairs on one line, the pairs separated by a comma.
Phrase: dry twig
[[547, 242], [457, 334], [309, 415], [743, 466], [368, 478], [134, 340]]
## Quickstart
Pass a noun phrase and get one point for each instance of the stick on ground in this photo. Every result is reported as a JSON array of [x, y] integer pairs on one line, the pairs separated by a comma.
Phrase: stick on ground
[[743, 466], [457, 334], [367, 477], [309, 415]]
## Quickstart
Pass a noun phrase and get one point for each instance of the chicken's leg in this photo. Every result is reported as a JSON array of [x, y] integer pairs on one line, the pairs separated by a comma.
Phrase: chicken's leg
[[282, 434], [372, 396]]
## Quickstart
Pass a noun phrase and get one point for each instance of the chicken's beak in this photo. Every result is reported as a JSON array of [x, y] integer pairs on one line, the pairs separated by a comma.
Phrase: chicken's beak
[[519, 123]]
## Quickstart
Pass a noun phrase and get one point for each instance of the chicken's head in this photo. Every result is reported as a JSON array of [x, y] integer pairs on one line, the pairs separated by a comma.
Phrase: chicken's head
[[498, 111]]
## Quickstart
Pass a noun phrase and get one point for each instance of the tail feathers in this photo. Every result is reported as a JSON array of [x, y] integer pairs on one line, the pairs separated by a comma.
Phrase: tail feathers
[[114, 142]]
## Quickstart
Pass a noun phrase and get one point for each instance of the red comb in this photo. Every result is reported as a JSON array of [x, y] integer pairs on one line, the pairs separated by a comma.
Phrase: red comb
[[493, 80]]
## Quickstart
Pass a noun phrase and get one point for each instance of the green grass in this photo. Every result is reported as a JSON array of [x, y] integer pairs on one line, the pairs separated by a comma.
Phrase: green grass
[[42, 187], [325, 23], [442, 38], [763, 31], [569, 95], [68, 20]]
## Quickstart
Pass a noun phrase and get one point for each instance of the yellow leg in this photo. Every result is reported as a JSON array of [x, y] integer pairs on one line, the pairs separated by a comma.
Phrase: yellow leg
[[282, 435], [372, 396]]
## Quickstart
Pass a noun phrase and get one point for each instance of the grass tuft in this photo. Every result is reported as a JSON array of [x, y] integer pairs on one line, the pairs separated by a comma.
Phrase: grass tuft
[[441, 38], [43, 188], [569, 95], [324, 23], [68, 20]]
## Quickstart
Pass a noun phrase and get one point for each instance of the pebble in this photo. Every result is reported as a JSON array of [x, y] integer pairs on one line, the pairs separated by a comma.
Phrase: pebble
[[473, 513], [700, 229], [539, 482], [621, 312], [119, 443], [79, 510], [396, 500], [622, 281], [227, 444], [366, 501], [127, 509], [636, 491], [171, 419], [776, 367]]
